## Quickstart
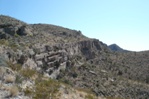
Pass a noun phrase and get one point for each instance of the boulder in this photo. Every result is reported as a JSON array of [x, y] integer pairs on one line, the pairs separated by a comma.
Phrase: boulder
[[24, 30]]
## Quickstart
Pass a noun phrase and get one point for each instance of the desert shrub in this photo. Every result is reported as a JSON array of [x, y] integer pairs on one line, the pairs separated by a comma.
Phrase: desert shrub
[[89, 91], [66, 81], [89, 96], [19, 79], [28, 73], [46, 89], [16, 35], [14, 67], [28, 92], [14, 46], [4, 42]]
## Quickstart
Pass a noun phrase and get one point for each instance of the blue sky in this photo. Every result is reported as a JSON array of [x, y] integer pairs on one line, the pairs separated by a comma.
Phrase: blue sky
[[124, 22]]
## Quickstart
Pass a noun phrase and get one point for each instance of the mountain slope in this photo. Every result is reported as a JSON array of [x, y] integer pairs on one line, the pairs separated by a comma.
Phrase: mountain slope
[[42, 52]]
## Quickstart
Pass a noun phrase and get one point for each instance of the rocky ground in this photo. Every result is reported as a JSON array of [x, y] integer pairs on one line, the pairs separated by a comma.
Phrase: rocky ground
[[46, 61]]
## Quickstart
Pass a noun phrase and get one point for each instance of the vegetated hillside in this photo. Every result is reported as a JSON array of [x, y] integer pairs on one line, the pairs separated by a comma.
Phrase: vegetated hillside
[[35, 57], [115, 47], [6, 20]]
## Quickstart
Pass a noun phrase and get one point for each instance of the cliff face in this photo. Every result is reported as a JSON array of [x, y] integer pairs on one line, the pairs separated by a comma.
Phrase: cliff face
[[50, 59], [47, 51]]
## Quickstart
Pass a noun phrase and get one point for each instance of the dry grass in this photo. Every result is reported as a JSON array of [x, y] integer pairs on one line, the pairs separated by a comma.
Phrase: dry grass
[[5, 87], [9, 79], [13, 91], [2, 71]]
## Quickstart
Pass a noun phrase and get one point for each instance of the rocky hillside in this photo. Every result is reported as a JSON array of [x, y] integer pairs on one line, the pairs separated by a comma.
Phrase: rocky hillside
[[48, 61]]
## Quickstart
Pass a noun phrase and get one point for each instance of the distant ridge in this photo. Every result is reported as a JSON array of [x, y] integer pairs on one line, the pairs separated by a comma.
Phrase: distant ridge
[[115, 47]]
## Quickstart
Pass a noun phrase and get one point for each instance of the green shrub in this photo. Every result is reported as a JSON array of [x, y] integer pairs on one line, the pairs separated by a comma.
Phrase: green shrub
[[28, 73], [4, 42], [46, 89], [14, 67], [14, 46], [28, 92], [89, 96], [19, 79]]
